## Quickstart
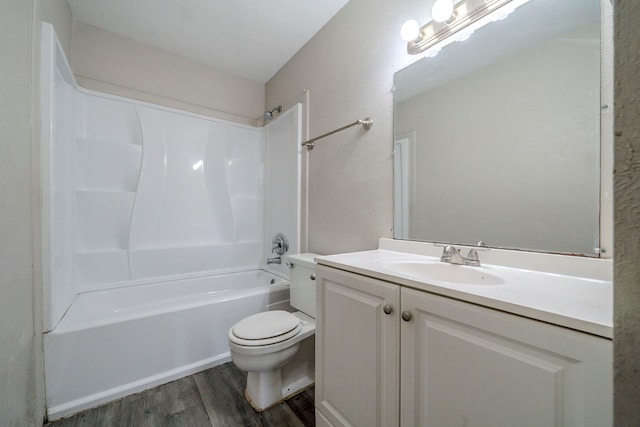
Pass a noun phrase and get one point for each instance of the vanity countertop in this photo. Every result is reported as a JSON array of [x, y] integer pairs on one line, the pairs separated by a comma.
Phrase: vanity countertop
[[583, 302]]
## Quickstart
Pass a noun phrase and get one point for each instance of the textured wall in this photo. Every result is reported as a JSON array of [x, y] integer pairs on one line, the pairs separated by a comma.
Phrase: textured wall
[[21, 367], [348, 68], [21, 371], [17, 346], [113, 64], [57, 13], [627, 214]]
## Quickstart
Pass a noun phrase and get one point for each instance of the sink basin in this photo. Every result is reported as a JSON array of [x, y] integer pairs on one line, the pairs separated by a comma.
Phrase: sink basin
[[443, 272]]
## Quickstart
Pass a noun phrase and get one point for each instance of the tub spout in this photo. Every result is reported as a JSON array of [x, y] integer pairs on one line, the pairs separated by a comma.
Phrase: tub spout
[[275, 260]]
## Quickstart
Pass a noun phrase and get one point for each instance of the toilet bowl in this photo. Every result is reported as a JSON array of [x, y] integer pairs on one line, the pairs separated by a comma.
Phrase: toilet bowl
[[277, 348]]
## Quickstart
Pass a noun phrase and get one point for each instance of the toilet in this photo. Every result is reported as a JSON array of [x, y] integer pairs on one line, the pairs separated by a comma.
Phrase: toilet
[[277, 348]]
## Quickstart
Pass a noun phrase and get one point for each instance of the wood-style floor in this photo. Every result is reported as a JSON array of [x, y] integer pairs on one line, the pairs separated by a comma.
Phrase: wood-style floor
[[214, 397]]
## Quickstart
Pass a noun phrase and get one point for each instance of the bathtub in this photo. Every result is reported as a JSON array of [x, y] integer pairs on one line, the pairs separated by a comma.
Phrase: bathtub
[[120, 341]]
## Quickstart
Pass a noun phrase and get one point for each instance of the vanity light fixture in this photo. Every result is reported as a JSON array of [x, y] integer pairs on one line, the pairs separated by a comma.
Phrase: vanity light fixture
[[463, 18]]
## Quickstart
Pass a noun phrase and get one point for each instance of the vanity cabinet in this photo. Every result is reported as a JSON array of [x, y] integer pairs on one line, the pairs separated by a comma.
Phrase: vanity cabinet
[[357, 357], [389, 355]]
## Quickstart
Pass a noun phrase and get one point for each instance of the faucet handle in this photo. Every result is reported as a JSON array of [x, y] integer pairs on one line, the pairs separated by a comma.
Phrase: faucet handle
[[451, 254], [446, 255], [279, 244], [447, 252], [472, 258]]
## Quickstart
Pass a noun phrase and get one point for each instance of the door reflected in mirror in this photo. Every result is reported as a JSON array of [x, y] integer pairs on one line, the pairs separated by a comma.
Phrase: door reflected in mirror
[[497, 138]]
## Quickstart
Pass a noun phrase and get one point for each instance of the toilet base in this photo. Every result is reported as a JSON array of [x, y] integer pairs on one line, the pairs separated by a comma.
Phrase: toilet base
[[266, 389], [267, 399], [283, 399]]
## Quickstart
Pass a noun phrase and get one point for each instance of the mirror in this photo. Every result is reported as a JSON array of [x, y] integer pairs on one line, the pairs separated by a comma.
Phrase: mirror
[[497, 137]]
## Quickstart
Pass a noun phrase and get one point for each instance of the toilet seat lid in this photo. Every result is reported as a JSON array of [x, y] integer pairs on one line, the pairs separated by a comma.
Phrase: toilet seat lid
[[266, 325]]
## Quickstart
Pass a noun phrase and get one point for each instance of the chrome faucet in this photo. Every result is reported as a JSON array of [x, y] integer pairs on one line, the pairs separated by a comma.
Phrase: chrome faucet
[[274, 260], [472, 258], [279, 246], [452, 255]]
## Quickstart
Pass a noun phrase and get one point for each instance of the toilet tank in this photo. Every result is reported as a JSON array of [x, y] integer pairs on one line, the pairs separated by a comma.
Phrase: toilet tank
[[302, 274]]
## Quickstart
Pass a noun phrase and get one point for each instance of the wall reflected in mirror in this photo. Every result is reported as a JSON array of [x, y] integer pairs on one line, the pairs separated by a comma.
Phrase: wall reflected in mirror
[[497, 138]]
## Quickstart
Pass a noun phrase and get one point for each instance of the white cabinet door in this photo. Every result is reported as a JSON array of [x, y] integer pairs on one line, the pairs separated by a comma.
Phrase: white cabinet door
[[464, 365], [357, 350]]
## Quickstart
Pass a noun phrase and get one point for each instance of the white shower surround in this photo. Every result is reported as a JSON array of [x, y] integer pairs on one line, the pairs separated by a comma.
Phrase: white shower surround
[[135, 193]]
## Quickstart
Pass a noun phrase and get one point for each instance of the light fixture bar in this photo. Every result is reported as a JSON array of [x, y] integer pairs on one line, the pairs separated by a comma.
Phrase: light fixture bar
[[465, 13]]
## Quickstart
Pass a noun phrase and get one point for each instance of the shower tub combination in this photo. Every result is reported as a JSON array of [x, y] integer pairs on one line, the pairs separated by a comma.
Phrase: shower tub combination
[[156, 227], [120, 341]]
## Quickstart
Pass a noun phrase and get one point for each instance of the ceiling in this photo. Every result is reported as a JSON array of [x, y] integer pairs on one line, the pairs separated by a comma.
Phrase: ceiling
[[250, 38]]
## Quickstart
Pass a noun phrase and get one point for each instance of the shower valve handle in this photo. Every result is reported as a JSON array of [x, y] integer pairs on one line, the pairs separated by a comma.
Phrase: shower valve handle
[[279, 244]]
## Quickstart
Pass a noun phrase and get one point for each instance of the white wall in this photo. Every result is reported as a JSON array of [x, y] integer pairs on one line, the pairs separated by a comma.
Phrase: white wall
[[348, 68], [57, 13], [17, 343], [113, 64], [21, 366]]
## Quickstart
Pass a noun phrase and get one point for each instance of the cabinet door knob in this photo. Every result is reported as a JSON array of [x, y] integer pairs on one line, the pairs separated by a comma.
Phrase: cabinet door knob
[[406, 316], [312, 277], [387, 309]]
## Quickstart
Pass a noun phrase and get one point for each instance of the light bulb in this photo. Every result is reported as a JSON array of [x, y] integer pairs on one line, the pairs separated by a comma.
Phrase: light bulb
[[410, 30], [442, 10]]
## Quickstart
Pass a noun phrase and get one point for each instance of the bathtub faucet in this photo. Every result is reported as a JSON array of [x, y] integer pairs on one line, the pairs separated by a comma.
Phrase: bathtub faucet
[[279, 246]]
